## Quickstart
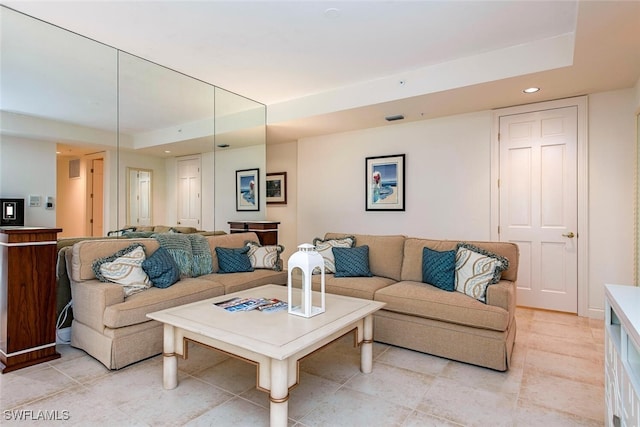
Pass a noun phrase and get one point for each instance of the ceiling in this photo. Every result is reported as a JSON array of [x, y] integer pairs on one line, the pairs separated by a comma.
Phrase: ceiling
[[325, 66]]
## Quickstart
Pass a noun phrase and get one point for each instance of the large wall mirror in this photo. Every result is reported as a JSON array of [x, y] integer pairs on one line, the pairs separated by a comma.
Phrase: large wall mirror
[[78, 116]]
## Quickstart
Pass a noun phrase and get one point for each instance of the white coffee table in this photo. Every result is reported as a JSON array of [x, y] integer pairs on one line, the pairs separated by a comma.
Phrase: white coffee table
[[274, 341]]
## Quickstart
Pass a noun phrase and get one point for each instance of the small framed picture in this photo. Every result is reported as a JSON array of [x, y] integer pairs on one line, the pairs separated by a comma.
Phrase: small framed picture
[[384, 178], [247, 190], [277, 188]]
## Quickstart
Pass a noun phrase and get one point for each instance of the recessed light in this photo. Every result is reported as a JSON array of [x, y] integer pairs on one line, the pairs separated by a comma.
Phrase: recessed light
[[167, 151], [332, 13], [531, 90]]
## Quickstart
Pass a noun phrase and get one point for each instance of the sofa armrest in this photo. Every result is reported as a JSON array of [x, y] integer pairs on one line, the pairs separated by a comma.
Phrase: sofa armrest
[[503, 294], [91, 298]]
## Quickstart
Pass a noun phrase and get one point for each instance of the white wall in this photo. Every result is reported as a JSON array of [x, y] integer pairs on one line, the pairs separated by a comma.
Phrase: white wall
[[448, 184], [612, 157], [447, 180], [283, 158], [28, 167]]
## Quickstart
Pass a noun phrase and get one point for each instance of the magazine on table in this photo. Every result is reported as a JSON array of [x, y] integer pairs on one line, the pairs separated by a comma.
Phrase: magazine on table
[[247, 304]]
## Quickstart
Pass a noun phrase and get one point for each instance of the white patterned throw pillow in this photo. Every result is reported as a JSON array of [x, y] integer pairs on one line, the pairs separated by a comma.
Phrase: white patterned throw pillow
[[325, 248], [265, 256], [126, 270], [476, 269]]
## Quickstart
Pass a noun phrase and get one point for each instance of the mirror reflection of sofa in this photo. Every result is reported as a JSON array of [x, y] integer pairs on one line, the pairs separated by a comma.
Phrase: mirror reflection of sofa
[[63, 292]]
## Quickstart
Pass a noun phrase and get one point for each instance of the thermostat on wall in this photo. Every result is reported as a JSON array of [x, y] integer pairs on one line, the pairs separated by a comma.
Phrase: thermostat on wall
[[34, 201]]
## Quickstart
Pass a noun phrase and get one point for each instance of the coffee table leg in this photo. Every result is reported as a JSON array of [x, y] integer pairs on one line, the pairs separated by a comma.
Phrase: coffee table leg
[[169, 360], [366, 351], [279, 396]]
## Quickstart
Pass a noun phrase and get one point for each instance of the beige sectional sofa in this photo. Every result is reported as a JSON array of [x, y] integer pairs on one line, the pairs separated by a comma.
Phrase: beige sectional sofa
[[115, 329], [422, 317], [417, 315]]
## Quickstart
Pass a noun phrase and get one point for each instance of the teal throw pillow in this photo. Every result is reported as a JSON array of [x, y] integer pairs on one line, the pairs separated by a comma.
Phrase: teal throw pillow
[[233, 260], [161, 268], [439, 269], [352, 262]]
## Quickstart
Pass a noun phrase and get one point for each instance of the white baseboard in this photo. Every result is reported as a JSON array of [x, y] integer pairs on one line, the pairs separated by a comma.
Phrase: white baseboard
[[63, 336]]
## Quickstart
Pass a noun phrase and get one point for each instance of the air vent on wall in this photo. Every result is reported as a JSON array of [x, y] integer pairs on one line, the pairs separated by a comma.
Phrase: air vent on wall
[[394, 118], [74, 168]]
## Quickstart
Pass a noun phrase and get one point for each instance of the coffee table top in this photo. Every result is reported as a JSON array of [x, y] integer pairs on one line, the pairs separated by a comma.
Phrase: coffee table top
[[275, 334]]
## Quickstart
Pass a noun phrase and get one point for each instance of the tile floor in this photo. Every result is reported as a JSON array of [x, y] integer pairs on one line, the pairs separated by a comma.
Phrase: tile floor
[[556, 380]]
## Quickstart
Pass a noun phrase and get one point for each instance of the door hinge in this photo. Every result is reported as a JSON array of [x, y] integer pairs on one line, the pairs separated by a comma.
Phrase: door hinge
[[498, 229], [498, 183], [498, 136]]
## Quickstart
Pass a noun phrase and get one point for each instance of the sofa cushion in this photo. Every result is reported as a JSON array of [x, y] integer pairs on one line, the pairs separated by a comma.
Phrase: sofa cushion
[[87, 251], [439, 269], [234, 282], [325, 248], [352, 262], [476, 269], [233, 260], [135, 308], [423, 300], [233, 240], [358, 287], [161, 269], [265, 256], [412, 263], [124, 268], [385, 253]]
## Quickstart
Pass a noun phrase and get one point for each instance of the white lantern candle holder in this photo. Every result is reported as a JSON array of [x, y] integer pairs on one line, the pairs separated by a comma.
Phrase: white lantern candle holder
[[306, 260]]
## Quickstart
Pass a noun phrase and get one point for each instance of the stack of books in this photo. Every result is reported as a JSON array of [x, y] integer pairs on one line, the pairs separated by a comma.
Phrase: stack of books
[[247, 304]]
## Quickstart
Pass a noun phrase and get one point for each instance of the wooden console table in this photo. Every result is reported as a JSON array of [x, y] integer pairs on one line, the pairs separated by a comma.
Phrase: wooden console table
[[267, 231], [27, 296]]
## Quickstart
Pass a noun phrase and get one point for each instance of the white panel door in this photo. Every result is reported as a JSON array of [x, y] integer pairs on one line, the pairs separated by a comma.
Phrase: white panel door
[[189, 192], [539, 204]]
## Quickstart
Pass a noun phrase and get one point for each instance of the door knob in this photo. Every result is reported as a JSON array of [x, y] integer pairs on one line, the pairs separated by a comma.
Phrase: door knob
[[569, 235]]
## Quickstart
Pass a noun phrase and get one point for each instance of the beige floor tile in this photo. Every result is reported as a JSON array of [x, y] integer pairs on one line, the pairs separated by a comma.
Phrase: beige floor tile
[[563, 366], [531, 415], [419, 419], [200, 358], [83, 369], [577, 334], [189, 400], [413, 361], [29, 384], [488, 379], [454, 401], [583, 350], [351, 408], [560, 318], [235, 412], [303, 398], [565, 395], [391, 384], [233, 375]]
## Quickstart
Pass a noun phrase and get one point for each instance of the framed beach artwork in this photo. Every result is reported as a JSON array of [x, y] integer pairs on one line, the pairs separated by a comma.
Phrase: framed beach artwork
[[277, 188], [385, 186], [247, 190]]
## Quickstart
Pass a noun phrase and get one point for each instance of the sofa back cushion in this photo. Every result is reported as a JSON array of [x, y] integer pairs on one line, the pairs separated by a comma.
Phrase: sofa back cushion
[[412, 263], [87, 251], [233, 240], [385, 252]]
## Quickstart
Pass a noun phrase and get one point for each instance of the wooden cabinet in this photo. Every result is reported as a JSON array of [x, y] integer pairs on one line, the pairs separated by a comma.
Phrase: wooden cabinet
[[267, 231], [27, 296], [622, 355]]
